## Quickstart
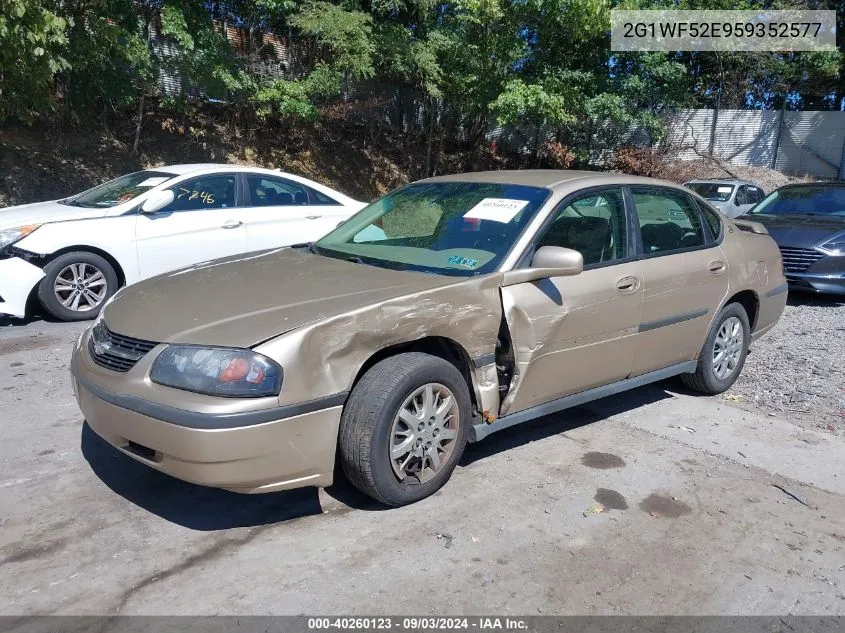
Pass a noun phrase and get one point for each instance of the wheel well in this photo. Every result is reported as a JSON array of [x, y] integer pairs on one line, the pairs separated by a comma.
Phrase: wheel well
[[750, 303], [121, 277], [440, 346]]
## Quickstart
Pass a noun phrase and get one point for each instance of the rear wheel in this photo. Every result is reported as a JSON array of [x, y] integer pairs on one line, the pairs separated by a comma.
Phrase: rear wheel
[[723, 355], [404, 428], [76, 285]]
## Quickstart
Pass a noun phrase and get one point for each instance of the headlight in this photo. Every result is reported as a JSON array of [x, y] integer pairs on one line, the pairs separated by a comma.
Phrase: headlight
[[834, 246], [10, 236], [217, 371]]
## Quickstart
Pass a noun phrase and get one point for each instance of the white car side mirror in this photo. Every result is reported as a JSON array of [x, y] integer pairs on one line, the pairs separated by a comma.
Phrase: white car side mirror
[[157, 201]]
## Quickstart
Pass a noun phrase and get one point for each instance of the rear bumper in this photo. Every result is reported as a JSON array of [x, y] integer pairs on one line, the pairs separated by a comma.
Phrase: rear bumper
[[17, 279]]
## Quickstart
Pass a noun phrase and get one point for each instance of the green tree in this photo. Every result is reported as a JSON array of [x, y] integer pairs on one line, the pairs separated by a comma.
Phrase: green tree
[[32, 50]]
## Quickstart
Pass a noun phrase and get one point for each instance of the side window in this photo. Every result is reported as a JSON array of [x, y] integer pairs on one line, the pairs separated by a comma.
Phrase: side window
[[594, 225], [320, 198], [712, 219], [669, 220], [266, 191], [755, 195], [741, 196], [206, 192]]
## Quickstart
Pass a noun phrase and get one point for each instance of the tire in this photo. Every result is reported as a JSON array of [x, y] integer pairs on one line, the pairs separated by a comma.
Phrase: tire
[[707, 378], [77, 268], [371, 425]]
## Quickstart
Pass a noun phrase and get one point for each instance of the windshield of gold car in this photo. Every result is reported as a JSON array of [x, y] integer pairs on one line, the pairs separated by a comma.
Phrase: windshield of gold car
[[448, 228]]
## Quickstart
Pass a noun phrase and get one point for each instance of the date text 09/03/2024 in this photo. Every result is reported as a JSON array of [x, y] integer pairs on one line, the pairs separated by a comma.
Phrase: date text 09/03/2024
[[415, 623]]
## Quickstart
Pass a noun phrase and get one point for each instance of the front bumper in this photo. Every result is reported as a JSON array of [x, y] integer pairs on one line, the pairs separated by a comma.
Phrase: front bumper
[[817, 282], [292, 451], [825, 275], [17, 279]]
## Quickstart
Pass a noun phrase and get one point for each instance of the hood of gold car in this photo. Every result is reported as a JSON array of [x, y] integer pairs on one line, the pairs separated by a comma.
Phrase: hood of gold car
[[245, 300]]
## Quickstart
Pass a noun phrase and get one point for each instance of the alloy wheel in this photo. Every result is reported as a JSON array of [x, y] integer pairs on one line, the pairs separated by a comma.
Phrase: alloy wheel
[[423, 434], [80, 287], [728, 347]]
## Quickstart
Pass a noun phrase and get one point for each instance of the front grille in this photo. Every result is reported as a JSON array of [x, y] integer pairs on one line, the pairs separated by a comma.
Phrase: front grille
[[115, 351], [797, 260]]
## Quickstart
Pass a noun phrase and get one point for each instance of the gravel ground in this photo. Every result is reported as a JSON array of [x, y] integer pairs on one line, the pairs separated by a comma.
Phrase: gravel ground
[[796, 370]]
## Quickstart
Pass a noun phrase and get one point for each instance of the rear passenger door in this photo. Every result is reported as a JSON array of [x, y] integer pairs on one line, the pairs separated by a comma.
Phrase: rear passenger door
[[685, 277], [574, 333], [285, 212]]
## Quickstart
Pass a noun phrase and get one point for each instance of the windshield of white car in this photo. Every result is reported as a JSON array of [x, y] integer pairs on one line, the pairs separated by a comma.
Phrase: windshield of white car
[[447, 228], [803, 200], [119, 190], [717, 192]]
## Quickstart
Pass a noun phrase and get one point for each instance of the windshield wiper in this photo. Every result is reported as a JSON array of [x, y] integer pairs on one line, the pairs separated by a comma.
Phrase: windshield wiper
[[308, 246], [355, 259]]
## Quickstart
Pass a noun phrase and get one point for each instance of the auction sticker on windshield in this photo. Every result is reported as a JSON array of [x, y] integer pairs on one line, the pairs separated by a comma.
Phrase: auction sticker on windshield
[[496, 209], [463, 261]]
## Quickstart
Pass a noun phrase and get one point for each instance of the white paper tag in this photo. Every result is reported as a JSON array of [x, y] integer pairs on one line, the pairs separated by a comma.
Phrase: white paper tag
[[724, 189], [496, 209], [152, 182]]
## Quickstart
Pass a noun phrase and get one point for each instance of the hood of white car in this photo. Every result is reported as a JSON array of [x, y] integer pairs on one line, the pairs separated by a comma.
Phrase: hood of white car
[[43, 212]]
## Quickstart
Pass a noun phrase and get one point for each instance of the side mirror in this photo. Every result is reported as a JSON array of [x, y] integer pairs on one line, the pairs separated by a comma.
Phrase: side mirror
[[549, 261], [157, 201]]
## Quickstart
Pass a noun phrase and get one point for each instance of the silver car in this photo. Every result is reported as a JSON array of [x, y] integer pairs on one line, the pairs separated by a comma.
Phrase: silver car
[[730, 196]]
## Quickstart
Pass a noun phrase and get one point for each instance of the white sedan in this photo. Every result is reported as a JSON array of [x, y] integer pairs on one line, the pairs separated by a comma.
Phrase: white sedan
[[73, 254]]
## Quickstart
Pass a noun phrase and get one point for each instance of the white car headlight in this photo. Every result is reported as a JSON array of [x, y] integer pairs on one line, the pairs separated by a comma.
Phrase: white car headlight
[[10, 236], [834, 246]]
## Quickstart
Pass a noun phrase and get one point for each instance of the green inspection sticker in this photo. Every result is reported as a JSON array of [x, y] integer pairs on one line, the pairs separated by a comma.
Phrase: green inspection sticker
[[463, 261]]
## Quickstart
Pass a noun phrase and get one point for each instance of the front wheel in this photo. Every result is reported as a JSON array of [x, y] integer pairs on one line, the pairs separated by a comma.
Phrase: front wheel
[[405, 427], [76, 285], [724, 352]]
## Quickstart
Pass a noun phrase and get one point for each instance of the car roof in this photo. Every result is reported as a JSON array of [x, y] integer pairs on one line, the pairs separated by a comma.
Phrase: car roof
[[820, 183], [181, 170], [550, 178], [189, 168], [725, 181]]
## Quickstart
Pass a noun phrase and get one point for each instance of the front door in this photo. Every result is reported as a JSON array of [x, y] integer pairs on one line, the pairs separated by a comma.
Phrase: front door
[[571, 334], [203, 222], [685, 277]]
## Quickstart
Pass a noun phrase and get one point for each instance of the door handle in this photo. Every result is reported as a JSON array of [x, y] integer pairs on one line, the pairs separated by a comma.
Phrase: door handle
[[717, 267], [313, 217], [232, 224], [628, 284]]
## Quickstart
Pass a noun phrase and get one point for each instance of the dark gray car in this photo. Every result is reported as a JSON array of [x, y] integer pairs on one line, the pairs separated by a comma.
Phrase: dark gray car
[[808, 223]]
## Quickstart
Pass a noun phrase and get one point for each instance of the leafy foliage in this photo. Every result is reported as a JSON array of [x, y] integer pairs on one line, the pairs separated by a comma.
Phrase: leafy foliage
[[469, 64], [32, 46]]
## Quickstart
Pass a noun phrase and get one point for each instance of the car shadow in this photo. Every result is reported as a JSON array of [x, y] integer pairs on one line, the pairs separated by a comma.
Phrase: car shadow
[[799, 298], [32, 316], [207, 509], [566, 420], [191, 506]]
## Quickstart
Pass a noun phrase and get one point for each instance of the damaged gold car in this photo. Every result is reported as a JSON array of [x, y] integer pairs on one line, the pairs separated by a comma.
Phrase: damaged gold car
[[447, 310]]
